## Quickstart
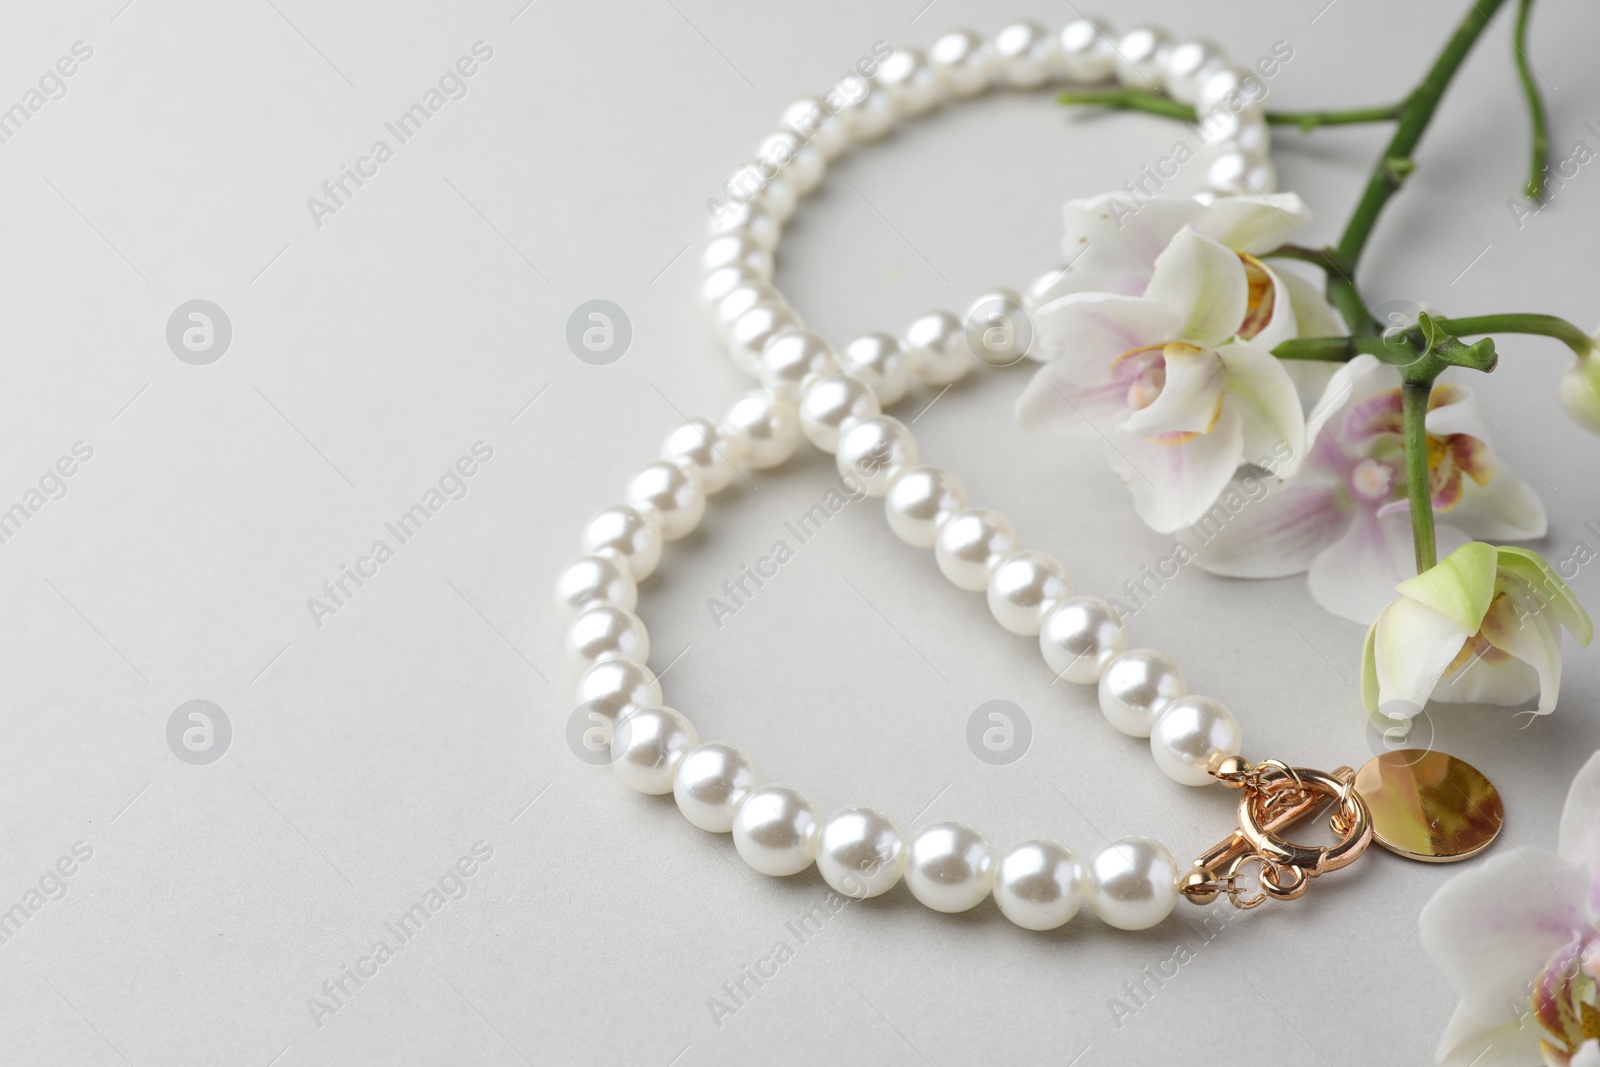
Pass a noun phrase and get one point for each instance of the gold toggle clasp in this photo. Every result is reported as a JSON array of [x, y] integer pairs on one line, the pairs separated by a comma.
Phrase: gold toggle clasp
[[1275, 796]]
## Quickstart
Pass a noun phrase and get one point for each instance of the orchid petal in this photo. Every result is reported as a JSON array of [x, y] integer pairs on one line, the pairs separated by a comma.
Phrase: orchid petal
[[1275, 535], [1088, 331], [1532, 568], [1451, 411], [1190, 401], [1343, 387], [1112, 245], [1469, 1041], [1174, 485], [1491, 928], [1499, 683], [1312, 312], [1269, 406], [1412, 647], [1517, 624], [1283, 325], [1204, 282], [1460, 586], [1054, 404], [1506, 509], [1580, 827], [1356, 576], [1256, 223]]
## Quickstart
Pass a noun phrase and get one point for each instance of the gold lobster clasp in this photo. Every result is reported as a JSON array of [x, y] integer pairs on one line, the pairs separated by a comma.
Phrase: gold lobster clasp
[[1275, 796]]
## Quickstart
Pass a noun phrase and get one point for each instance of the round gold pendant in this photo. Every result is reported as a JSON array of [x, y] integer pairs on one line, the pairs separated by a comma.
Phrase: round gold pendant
[[1430, 806]]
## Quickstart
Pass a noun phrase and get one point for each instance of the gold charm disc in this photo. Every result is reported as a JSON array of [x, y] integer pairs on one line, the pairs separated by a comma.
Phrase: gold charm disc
[[1430, 806]]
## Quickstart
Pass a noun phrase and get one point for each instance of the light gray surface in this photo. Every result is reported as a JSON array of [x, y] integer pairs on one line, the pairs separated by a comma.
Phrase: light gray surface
[[427, 714]]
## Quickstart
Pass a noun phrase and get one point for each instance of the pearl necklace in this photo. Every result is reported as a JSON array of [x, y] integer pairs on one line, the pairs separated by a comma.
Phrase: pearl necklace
[[1132, 883]]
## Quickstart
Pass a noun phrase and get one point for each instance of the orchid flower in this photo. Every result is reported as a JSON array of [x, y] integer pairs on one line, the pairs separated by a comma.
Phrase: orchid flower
[[1180, 381], [1483, 626], [1113, 246], [1519, 936], [1345, 518], [1580, 390]]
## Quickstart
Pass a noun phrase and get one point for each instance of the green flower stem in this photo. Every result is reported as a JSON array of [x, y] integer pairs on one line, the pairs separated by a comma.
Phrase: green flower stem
[[1536, 109], [1414, 396], [1310, 120], [1395, 162], [1133, 100], [1157, 104], [1542, 325]]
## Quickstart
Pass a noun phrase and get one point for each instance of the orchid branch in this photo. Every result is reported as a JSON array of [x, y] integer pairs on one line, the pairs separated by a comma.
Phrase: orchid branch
[[1395, 162], [1536, 109], [1158, 104]]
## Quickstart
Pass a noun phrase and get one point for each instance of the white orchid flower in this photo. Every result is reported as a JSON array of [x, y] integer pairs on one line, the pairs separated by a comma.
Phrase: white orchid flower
[[1112, 247], [1165, 380], [1519, 937], [1580, 390], [1345, 517], [1483, 626]]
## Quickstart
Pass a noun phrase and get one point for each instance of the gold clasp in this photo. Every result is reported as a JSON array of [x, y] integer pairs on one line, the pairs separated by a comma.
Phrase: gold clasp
[[1274, 797]]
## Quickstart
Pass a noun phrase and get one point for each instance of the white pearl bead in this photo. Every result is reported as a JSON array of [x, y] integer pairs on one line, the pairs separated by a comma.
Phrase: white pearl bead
[[724, 280], [595, 580], [999, 330], [1236, 174], [950, 867], [970, 544], [676, 494], [796, 161], [1087, 53], [912, 85], [779, 197], [1229, 89], [1039, 885], [737, 250], [813, 124], [1192, 736], [1080, 637], [1024, 588], [1025, 55], [963, 63], [775, 831], [712, 781], [861, 853], [876, 358], [1140, 57], [614, 686], [936, 346], [875, 451], [714, 452], [749, 218], [647, 746], [1135, 686], [1133, 883], [790, 358], [829, 402], [870, 117], [1246, 132], [605, 631], [739, 300], [920, 502], [1186, 61], [769, 424], [750, 333], [632, 535]]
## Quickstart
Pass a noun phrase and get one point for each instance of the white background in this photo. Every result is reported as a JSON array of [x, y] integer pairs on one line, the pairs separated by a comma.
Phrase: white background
[[368, 354]]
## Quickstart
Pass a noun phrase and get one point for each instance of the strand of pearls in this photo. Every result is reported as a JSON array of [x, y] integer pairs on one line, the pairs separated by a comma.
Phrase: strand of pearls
[[836, 403], [938, 348]]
